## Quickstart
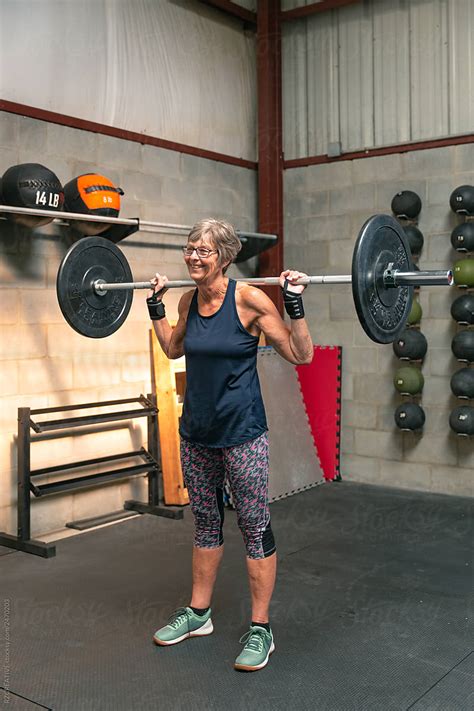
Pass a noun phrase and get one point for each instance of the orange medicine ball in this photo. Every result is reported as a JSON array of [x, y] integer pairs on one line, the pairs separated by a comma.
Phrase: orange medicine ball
[[92, 194]]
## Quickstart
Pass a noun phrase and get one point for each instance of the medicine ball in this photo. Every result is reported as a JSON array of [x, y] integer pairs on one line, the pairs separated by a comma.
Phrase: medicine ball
[[409, 380], [462, 308], [462, 200], [31, 185], [407, 204], [409, 416], [92, 194], [410, 345], [462, 237], [416, 312], [463, 346], [415, 239], [463, 272], [462, 383], [461, 420]]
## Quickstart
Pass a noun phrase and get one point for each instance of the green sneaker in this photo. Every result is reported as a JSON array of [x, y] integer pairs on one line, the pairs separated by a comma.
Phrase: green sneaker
[[182, 624], [258, 647]]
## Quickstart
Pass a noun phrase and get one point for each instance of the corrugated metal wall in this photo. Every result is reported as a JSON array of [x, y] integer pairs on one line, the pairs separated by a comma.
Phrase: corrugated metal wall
[[377, 72]]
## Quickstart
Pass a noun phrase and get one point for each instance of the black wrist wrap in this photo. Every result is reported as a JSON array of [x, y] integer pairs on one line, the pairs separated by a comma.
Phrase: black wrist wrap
[[293, 303], [156, 308]]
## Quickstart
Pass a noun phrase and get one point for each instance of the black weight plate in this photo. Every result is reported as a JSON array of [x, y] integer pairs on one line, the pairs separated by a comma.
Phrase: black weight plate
[[382, 312], [89, 313]]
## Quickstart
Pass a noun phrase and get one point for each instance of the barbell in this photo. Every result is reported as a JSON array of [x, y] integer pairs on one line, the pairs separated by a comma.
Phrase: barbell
[[95, 284]]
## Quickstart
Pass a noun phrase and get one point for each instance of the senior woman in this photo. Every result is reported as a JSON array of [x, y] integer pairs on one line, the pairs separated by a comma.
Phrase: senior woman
[[223, 428]]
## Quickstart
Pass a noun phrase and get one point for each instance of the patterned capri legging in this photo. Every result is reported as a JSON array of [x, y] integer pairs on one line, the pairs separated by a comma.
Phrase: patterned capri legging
[[245, 467]]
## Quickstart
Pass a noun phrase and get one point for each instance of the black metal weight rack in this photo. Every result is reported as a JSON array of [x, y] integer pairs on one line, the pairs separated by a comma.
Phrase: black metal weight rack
[[150, 466]]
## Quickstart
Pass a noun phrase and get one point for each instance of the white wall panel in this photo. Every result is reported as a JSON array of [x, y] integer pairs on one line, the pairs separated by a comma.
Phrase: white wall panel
[[182, 71], [378, 72]]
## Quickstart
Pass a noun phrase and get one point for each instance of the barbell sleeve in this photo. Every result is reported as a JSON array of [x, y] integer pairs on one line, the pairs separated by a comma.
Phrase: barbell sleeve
[[391, 278]]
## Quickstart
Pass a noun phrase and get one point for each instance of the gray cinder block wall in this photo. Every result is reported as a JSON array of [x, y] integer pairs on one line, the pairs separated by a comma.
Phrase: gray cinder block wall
[[325, 206], [43, 362]]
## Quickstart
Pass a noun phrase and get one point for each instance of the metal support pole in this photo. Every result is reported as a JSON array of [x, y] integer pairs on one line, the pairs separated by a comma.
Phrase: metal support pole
[[23, 444]]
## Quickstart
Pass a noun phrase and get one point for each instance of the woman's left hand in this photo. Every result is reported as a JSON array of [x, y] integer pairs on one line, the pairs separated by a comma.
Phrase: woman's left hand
[[291, 275]]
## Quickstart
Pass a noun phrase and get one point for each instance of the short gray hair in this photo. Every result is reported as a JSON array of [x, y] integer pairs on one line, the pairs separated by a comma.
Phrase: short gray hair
[[222, 236]]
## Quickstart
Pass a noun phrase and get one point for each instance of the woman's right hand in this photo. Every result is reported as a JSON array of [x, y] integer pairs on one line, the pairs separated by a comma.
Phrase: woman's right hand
[[158, 282]]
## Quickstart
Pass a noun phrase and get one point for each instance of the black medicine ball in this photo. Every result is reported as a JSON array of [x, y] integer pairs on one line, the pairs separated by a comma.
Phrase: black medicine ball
[[409, 416], [407, 204], [463, 346], [32, 185], [462, 200], [461, 420], [410, 345], [462, 237], [462, 383], [462, 308], [415, 239]]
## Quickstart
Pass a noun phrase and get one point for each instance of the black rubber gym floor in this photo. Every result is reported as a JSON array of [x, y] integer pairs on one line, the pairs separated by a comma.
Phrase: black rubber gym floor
[[371, 611]]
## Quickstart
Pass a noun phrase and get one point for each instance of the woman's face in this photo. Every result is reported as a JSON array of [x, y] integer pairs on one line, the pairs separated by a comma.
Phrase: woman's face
[[202, 267]]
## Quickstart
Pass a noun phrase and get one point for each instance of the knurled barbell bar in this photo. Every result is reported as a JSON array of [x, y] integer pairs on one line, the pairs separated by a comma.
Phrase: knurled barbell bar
[[95, 284]]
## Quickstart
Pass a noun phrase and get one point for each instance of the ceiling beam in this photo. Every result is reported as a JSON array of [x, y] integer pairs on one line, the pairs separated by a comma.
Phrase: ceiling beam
[[306, 10]]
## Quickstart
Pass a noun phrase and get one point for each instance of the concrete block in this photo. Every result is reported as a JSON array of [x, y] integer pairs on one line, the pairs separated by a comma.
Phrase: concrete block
[[341, 307], [429, 162], [117, 152], [437, 419], [295, 180], [387, 361], [439, 251], [142, 187], [161, 162], [52, 452], [340, 257], [307, 204], [436, 390], [97, 501], [8, 157], [416, 477], [136, 367], [9, 131], [21, 341], [439, 361], [466, 453], [371, 443], [71, 143], [373, 388], [42, 375], [439, 332], [438, 305], [92, 370], [367, 170], [9, 409], [387, 189], [9, 311], [32, 135], [347, 440], [8, 376], [329, 228], [295, 231], [361, 360], [359, 415], [463, 158], [122, 390], [18, 271], [385, 415], [347, 385], [44, 308], [50, 514], [200, 170], [452, 480], [439, 218], [243, 202], [72, 397], [361, 469], [430, 448], [113, 173], [346, 199], [8, 519], [330, 334], [438, 190], [329, 175]]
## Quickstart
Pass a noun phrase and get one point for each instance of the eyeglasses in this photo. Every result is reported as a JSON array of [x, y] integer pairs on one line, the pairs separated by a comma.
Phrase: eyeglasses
[[201, 252]]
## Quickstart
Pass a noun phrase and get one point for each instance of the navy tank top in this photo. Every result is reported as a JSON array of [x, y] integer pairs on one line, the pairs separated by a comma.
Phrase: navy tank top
[[223, 404]]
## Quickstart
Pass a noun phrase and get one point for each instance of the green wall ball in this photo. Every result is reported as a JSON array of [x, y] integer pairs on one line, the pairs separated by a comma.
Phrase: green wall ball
[[409, 380], [463, 272], [415, 314]]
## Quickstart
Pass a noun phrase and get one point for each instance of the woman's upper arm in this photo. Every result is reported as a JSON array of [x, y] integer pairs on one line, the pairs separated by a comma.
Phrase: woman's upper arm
[[176, 349], [271, 323]]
